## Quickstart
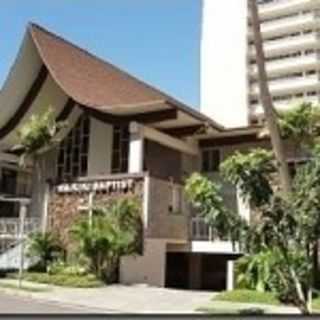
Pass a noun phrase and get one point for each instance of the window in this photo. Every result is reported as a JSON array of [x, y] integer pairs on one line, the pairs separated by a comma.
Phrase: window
[[120, 150], [73, 153], [9, 181], [210, 160], [176, 199]]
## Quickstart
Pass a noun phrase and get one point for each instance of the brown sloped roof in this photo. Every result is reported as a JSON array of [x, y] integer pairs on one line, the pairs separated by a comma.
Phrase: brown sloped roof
[[95, 83]]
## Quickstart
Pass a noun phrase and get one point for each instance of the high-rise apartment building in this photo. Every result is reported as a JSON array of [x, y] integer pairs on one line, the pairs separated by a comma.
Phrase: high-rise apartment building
[[291, 34]]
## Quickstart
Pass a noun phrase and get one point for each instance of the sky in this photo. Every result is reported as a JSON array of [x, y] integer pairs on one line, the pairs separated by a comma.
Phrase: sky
[[156, 40]]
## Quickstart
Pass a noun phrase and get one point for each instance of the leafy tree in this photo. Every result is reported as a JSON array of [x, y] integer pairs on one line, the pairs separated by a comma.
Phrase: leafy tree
[[301, 124], [45, 248], [36, 138], [252, 173], [115, 231], [283, 236], [287, 223], [206, 197]]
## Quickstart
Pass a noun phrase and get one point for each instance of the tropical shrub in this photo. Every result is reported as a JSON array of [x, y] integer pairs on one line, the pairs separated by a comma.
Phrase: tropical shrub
[[63, 280], [114, 231], [61, 267], [45, 248]]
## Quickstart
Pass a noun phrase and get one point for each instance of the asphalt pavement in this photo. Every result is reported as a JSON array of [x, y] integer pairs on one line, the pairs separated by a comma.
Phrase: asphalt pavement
[[12, 304]]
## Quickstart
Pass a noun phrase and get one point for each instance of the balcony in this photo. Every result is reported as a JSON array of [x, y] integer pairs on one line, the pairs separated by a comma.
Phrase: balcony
[[200, 230], [256, 109], [288, 25], [283, 7], [290, 85], [287, 45], [288, 65], [204, 240]]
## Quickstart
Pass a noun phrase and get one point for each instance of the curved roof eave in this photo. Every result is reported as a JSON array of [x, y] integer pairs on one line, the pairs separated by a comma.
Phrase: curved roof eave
[[95, 83]]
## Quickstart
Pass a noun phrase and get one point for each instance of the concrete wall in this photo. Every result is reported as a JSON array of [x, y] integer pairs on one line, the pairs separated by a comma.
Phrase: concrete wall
[[50, 96], [163, 223], [224, 62], [162, 162], [149, 268], [21, 76], [100, 148]]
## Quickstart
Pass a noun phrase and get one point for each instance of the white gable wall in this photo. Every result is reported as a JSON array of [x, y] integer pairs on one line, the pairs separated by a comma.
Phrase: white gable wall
[[100, 148], [224, 62]]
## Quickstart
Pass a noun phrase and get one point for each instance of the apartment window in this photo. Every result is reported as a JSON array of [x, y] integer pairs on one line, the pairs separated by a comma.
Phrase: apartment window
[[312, 93], [211, 160], [120, 150], [73, 153]]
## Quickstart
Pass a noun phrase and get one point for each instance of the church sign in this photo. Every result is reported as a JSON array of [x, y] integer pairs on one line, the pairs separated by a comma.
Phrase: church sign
[[109, 186]]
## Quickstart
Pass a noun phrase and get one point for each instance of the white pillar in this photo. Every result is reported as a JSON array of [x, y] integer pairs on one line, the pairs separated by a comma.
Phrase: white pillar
[[46, 200], [230, 275], [136, 148], [22, 217]]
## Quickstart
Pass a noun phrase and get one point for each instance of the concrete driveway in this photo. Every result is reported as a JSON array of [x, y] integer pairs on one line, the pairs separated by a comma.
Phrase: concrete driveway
[[125, 299]]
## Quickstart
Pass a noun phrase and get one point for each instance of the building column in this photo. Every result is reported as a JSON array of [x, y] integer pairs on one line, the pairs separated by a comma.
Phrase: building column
[[136, 148], [230, 275]]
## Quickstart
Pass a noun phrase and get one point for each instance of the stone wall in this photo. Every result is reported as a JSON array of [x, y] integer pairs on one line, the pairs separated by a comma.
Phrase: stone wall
[[65, 208]]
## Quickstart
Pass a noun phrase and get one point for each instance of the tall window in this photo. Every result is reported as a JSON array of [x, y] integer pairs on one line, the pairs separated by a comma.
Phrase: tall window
[[9, 181], [210, 160], [120, 150], [73, 153]]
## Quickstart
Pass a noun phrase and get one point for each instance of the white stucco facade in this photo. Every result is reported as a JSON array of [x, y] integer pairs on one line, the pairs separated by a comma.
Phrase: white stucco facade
[[224, 62], [100, 148]]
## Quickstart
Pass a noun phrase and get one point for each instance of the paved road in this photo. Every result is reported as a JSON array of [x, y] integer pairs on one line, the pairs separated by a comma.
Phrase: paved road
[[11, 304]]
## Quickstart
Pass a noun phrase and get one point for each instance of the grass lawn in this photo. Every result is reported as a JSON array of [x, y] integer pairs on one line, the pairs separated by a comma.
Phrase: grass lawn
[[229, 302], [63, 280], [248, 296]]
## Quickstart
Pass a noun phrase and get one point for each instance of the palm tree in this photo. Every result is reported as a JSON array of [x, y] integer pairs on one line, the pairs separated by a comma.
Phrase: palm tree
[[35, 140], [267, 103], [45, 247]]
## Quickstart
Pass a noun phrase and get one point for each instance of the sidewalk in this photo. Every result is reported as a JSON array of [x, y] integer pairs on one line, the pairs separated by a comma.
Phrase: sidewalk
[[133, 299]]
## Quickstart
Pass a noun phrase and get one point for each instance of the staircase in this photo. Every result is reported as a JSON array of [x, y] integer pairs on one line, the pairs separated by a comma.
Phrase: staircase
[[11, 242]]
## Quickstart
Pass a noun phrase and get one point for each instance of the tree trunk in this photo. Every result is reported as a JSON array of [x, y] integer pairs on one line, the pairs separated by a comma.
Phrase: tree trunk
[[267, 102]]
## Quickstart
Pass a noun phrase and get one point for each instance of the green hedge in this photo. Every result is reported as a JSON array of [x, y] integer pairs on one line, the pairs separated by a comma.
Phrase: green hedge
[[63, 280]]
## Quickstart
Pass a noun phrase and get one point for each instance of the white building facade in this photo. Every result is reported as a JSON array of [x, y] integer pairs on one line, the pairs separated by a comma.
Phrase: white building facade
[[291, 34]]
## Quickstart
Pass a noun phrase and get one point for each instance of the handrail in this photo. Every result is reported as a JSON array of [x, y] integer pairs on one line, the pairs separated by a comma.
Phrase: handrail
[[10, 227], [200, 230]]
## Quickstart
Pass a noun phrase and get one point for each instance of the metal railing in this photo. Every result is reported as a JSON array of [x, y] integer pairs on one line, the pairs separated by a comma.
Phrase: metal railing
[[200, 230], [10, 227]]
